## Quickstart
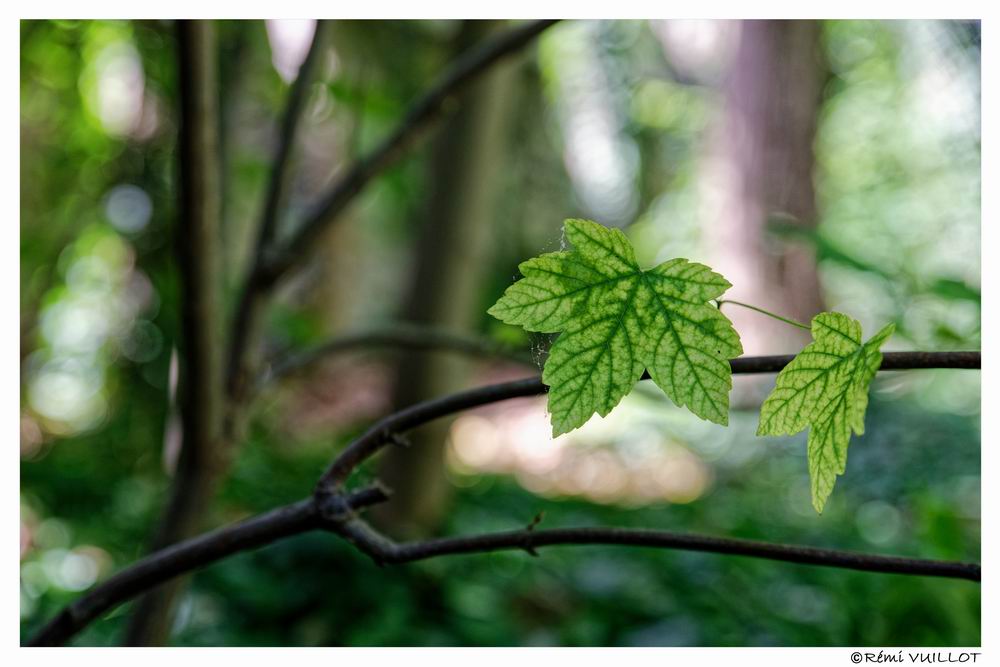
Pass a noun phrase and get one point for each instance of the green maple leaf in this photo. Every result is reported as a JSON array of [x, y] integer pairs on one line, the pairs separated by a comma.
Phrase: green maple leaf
[[825, 388], [617, 320]]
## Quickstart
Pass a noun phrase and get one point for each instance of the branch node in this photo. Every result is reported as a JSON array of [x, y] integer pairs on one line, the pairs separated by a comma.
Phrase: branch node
[[383, 489], [399, 440], [529, 534], [334, 507]]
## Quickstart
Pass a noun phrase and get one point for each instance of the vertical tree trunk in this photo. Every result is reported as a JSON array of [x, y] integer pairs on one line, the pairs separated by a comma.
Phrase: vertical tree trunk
[[201, 380], [772, 95], [453, 249]]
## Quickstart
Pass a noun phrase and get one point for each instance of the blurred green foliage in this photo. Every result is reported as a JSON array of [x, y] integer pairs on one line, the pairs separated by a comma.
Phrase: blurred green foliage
[[898, 240]]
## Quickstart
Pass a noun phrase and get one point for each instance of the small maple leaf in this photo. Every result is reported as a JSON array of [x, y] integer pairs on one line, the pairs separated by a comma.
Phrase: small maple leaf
[[825, 388], [617, 320]]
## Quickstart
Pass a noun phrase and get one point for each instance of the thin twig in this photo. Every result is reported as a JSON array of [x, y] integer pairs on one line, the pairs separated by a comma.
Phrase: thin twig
[[281, 172], [794, 323], [277, 195]]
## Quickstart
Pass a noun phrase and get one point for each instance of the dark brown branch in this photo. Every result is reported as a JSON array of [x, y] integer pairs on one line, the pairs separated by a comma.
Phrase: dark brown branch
[[384, 551], [190, 555], [166, 564], [891, 361], [399, 335], [338, 514], [379, 435], [909, 361]]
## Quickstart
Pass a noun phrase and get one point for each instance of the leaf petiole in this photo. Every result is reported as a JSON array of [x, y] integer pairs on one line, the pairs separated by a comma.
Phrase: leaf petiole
[[763, 312]]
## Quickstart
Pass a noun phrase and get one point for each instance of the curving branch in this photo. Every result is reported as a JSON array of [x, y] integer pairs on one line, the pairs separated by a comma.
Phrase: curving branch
[[333, 509], [162, 566], [418, 337], [384, 551], [385, 431], [338, 514]]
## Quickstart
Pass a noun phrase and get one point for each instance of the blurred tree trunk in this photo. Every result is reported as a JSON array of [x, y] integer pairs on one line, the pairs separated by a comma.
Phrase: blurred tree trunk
[[765, 161], [200, 260], [453, 249]]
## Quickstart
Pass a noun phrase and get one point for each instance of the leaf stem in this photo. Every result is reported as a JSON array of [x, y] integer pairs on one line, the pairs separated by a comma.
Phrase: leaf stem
[[763, 312]]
